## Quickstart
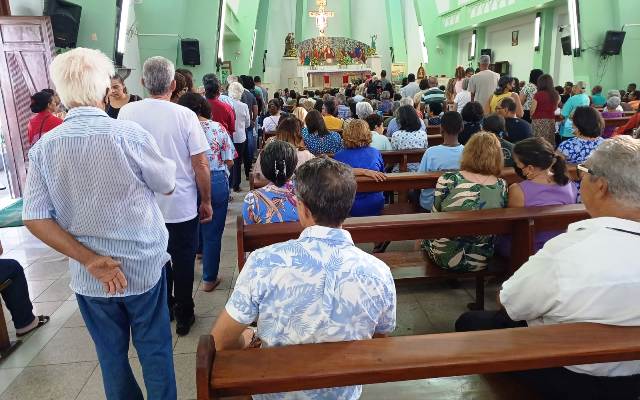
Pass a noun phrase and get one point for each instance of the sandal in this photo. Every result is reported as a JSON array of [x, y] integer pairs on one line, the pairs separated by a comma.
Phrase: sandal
[[42, 320]]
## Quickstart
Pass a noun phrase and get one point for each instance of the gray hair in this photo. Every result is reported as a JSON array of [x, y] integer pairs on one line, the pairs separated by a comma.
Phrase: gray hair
[[465, 83], [327, 188], [158, 73], [485, 59], [613, 93], [363, 109], [617, 160], [81, 77], [406, 101], [236, 90], [340, 98], [613, 102]]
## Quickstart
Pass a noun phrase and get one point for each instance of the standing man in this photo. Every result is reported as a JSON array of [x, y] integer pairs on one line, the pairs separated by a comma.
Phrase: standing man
[[221, 105], [411, 88], [181, 139], [90, 195], [265, 93], [250, 100], [483, 84]]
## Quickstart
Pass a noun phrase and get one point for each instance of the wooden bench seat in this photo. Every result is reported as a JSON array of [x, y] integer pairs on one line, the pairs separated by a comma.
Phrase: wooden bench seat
[[313, 366]]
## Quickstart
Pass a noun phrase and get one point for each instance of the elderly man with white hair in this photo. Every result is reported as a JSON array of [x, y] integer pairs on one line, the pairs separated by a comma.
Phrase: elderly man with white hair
[[243, 121], [181, 139], [589, 274], [393, 124], [90, 195]]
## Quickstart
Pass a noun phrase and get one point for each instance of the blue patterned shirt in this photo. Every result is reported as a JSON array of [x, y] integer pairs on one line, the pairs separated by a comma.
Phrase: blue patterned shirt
[[318, 288], [327, 144], [96, 177]]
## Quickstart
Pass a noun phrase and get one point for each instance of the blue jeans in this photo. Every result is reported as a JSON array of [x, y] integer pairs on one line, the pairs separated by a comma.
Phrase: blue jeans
[[109, 320], [251, 145], [212, 232]]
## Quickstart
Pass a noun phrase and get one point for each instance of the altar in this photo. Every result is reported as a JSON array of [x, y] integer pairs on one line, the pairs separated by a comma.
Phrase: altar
[[330, 76]]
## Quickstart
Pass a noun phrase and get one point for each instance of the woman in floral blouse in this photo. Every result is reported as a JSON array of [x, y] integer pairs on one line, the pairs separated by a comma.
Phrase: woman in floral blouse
[[528, 91], [275, 202], [317, 137], [221, 155], [476, 186]]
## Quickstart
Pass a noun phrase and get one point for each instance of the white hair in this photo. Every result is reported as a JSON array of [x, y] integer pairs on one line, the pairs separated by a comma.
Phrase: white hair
[[406, 101], [158, 73], [617, 160], [81, 77], [363, 109], [485, 60], [235, 90]]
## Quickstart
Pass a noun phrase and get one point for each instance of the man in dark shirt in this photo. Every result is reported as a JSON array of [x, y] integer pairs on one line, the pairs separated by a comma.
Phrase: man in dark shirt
[[516, 128]]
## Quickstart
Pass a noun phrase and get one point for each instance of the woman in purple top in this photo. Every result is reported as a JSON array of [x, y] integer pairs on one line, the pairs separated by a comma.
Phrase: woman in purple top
[[545, 183]]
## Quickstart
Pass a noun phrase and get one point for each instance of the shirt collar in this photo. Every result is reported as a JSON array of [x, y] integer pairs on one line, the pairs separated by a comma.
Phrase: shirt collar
[[85, 112], [606, 222], [326, 233]]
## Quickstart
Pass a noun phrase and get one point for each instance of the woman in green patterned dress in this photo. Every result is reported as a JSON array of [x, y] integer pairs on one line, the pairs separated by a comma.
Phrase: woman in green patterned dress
[[476, 186]]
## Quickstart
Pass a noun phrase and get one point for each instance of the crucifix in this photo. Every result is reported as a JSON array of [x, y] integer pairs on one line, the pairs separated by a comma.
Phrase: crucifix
[[321, 15]]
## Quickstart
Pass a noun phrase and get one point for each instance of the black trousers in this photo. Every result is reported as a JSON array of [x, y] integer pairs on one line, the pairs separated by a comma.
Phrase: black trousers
[[236, 170], [527, 116], [555, 383], [183, 242], [16, 295]]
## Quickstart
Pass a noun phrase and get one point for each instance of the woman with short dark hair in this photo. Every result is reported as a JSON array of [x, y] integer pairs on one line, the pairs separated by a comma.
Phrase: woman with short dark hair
[[275, 202], [118, 97], [43, 104], [410, 135], [317, 138]]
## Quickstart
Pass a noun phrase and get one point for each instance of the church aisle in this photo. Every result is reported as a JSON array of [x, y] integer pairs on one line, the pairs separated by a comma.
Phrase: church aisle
[[59, 362]]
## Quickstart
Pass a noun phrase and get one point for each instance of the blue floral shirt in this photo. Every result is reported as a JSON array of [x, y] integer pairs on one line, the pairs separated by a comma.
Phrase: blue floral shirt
[[270, 204], [328, 144], [577, 150], [221, 146], [317, 288]]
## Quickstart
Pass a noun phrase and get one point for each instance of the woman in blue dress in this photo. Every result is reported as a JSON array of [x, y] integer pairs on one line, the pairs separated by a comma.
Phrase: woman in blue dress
[[365, 160]]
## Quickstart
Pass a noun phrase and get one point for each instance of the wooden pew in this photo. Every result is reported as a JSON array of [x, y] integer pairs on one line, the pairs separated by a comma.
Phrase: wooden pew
[[521, 223], [433, 130], [392, 359], [608, 122]]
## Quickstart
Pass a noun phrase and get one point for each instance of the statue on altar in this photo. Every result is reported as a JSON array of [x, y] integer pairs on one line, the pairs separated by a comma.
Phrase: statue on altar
[[373, 41], [290, 45]]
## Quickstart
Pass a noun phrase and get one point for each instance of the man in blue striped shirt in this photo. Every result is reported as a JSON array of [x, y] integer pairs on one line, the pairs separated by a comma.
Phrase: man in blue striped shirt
[[90, 195]]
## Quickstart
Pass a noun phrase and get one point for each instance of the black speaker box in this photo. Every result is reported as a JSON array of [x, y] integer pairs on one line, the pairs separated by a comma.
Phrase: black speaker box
[[613, 43], [485, 52], [65, 21], [190, 51], [566, 45]]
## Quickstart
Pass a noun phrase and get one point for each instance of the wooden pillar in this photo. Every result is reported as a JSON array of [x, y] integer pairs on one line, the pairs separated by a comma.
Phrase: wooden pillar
[[5, 10]]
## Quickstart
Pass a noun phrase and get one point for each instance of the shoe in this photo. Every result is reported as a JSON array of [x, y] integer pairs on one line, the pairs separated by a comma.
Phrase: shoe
[[183, 327], [211, 286]]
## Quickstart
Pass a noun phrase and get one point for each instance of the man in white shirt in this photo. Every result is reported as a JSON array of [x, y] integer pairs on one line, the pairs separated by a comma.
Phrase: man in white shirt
[[589, 274], [412, 87], [179, 135], [484, 83]]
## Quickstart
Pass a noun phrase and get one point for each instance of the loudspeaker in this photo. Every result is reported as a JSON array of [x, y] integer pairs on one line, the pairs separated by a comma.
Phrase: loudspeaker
[[485, 52], [190, 51], [566, 45], [613, 43], [65, 21]]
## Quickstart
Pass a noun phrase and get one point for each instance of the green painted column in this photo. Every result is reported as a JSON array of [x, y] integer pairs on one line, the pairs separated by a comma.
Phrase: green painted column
[[396, 30], [481, 42], [302, 12], [261, 37], [542, 58]]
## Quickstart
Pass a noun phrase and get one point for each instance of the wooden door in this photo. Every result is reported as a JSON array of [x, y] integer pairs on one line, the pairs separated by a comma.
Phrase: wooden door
[[26, 48]]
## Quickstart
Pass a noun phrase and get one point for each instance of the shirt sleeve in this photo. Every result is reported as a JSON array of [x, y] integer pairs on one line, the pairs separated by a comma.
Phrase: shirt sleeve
[[232, 121], [227, 148], [158, 172], [37, 200], [566, 108], [243, 305], [196, 138], [472, 85], [379, 162], [424, 163], [530, 292]]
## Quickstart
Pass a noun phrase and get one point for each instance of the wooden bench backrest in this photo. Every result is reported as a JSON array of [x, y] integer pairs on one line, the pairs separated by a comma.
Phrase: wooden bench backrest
[[521, 223], [313, 366]]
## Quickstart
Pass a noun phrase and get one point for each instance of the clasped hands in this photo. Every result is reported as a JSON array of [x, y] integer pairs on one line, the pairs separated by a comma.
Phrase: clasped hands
[[109, 272]]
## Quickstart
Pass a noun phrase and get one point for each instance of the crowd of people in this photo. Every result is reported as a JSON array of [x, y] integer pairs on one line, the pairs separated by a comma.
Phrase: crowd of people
[[163, 170]]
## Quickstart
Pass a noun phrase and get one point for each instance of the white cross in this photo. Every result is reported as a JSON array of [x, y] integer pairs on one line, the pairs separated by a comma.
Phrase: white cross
[[321, 16]]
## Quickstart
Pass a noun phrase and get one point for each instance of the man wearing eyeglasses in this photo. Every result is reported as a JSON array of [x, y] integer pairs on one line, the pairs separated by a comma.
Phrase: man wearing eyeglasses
[[589, 274]]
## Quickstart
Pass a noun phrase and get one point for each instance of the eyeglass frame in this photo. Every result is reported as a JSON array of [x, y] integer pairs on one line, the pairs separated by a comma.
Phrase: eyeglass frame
[[580, 168]]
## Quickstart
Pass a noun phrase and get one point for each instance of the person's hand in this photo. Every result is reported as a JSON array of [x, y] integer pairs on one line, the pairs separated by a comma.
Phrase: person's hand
[[250, 340], [1, 249], [376, 175], [206, 212], [109, 272]]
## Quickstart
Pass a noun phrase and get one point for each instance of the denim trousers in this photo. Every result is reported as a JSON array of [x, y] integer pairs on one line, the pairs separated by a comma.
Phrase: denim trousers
[[212, 232], [109, 321], [16, 295], [183, 243]]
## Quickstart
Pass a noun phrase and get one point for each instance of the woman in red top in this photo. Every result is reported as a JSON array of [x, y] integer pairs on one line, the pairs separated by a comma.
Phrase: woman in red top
[[43, 104], [543, 109]]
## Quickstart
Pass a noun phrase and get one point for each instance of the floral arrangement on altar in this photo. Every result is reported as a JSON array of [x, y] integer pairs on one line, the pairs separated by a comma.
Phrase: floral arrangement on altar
[[314, 62], [345, 60], [333, 51], [371, 52]]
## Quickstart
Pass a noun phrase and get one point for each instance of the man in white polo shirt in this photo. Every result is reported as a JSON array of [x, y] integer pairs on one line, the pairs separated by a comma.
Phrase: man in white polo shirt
[[589, 274], [484, 83]]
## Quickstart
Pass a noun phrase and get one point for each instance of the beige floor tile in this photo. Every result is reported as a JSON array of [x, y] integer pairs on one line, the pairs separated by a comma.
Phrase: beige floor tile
[[210, 304], [94, 388], [185, 367], [37, 287], [50, 382], [58, 291], [75, 321], [46, 307], [42, 270], [189, 343], [69, 345], [411, 320]]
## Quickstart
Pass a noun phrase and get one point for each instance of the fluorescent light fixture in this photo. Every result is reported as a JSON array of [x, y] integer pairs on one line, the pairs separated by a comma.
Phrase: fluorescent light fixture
[[536, 33], [124, 26], [253, 48], [472, 49], [574, 19], [425, 52], [223, 16]]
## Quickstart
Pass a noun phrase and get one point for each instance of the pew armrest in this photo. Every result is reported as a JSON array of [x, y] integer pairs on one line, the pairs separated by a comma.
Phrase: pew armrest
[[204, 367]]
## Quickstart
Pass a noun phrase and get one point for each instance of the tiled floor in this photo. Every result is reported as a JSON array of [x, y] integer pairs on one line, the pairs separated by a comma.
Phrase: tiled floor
[[59, 362]]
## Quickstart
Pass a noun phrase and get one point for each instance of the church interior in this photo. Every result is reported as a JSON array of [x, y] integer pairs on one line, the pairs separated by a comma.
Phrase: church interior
[[319, 199]]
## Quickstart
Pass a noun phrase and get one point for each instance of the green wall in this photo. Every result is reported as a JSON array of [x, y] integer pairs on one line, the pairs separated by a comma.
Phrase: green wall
[[99, 17], [242, 26]]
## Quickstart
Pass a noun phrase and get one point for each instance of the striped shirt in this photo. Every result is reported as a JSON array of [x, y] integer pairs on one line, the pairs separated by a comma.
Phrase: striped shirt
[[96, 177]]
